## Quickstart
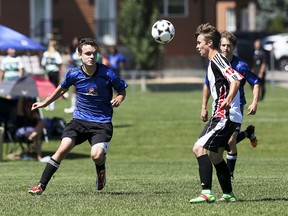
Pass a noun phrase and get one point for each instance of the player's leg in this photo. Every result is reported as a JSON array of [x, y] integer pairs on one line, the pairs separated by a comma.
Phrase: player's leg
[[248, 133], [52, 165], [231, 156], [98, 155], [100, 140], [205, 174], [222, 170], [223, 174], [73, 101], [205, 167]]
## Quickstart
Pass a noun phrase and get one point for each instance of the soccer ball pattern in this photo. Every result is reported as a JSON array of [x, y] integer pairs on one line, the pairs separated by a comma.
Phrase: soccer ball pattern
[[163, 31]]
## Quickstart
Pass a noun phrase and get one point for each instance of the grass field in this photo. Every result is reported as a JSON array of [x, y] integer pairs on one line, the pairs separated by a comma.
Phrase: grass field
[[150, 167]]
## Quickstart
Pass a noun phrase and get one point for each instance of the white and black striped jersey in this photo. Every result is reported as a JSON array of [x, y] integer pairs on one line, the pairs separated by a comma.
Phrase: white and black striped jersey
[[220, 74]]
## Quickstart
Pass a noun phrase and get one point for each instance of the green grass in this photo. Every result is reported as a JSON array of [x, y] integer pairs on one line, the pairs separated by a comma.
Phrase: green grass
[[150, 167]]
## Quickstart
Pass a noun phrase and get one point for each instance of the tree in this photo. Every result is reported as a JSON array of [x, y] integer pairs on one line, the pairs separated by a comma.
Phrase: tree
[[136, 18], [273, 15]]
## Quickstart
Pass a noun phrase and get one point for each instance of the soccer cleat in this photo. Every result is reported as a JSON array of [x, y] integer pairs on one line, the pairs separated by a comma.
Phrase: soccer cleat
[[36, 190], [101, 180], [228, 198], [250, 135], [204, 197]]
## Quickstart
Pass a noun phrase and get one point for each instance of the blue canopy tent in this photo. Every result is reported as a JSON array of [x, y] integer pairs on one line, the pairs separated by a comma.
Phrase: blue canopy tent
[[10, 38]]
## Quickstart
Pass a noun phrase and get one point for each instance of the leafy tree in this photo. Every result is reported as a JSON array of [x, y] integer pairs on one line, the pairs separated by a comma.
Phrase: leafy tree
[[135, 20], [278, 24], [273, 15]]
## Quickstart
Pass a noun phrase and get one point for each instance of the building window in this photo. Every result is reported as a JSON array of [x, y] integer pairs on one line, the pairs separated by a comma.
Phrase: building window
[[106, 22], [173, 7], [230, 20]]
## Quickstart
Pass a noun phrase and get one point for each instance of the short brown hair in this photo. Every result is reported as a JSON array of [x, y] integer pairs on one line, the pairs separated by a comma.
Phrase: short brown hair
[[87, 41], [210, 33], [230, 37]]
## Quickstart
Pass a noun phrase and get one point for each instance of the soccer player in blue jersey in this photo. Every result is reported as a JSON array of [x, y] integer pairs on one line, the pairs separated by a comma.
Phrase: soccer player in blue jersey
[[92, 117], [224, 83], [228, 44]]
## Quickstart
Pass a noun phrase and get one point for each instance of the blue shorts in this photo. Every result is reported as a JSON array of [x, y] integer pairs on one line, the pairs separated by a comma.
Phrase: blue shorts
[[94, 132]]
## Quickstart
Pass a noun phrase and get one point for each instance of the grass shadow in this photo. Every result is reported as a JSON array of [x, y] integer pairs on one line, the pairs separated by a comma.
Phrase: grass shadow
[[71, 155], [166, 87], [122, 125], [265, 200]]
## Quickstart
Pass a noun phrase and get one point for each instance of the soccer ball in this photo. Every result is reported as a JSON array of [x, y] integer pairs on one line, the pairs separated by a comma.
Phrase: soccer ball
[[163, 31]]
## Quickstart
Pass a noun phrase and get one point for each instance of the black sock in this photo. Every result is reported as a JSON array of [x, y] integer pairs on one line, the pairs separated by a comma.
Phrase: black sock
[[231, 162], [205, 171], [101, 167], [223, 175], [241, 136], [50, 169]]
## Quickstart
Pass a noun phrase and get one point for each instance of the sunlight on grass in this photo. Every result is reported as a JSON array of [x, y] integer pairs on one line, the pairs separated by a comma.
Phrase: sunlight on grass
[[150, 166]]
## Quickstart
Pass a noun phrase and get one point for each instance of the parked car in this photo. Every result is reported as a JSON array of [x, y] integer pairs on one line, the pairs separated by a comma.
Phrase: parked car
[[278, 45]]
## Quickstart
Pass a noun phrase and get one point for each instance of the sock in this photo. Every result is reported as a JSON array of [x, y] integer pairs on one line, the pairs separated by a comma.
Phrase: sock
[[241, 136], [73, 100], [101, 167], [231, 162], [223, 175], [205, 171], [50, 169], [52, 106]]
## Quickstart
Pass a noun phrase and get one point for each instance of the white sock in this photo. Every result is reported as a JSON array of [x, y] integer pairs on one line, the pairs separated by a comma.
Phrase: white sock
[[73, 100]]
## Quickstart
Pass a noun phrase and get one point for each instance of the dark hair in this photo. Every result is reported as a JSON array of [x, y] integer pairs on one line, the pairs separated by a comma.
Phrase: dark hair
[[230, 37], [210, 33], [87, 41]]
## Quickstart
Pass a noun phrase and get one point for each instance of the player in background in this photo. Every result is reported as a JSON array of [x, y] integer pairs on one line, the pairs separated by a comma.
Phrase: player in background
[[92, 117], [75, 61], [228, 44], [260, 67], [224, 83], [11, 67]]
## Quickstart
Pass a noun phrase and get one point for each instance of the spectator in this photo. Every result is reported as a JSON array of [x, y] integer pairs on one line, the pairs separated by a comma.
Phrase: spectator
[[11, 67], [104, 55], [259, 67], [52, 61], [30, 125], [116, 60], [75, 62]]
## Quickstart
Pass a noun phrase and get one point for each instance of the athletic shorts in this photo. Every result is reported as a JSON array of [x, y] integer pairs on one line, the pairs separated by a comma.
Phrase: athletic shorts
[[80, 131], [238, 129], [216, 133]]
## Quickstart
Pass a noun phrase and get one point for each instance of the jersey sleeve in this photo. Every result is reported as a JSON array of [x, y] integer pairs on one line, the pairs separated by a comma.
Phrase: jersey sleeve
[[68, 81], [251, 77], [117, 83], [226, 69]]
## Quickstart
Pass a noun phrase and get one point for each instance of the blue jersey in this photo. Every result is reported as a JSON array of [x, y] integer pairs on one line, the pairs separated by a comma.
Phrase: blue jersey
[[94, 93], [248, 75], [115, 60]]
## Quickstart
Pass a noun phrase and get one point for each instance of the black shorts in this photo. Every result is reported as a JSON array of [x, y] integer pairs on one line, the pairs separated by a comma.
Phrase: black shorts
[[80, 131], [216, 133]]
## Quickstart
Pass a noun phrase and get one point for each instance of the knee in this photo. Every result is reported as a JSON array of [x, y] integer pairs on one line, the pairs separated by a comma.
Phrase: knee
[[198, 150], [97, 156]]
